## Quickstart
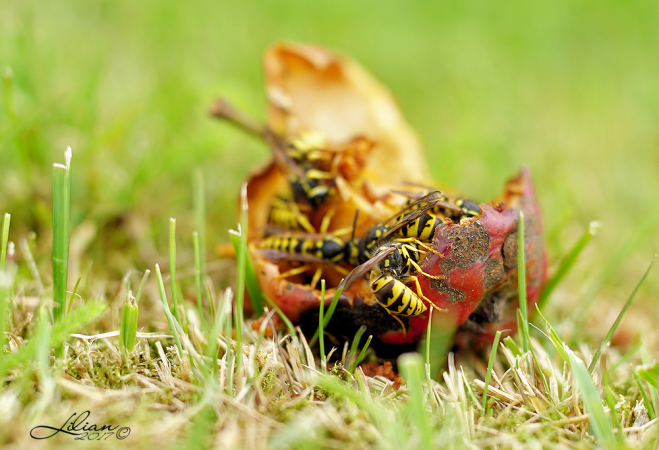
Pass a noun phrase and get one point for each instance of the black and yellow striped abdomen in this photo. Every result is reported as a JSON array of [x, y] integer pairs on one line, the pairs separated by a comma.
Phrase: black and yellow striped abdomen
[[394, 296], [422, 228], [330, 248]]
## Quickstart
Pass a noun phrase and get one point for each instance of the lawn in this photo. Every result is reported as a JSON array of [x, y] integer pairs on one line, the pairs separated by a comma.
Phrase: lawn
[[567, 88]]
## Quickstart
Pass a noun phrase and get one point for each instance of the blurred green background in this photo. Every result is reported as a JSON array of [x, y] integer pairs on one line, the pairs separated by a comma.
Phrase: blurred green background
[[569, 88]]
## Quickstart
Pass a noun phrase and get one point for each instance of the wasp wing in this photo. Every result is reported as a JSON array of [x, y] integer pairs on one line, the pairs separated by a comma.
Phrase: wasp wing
[[363, 269], [426, 203], [278, 255]]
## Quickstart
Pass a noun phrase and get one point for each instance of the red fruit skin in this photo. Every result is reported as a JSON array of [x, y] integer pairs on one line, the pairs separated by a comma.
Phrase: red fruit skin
[[476, 261]]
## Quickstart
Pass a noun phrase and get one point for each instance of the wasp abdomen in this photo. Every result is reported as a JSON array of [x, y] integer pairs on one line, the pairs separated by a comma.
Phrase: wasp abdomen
[[422, 228], [330, 248], [395, 296]]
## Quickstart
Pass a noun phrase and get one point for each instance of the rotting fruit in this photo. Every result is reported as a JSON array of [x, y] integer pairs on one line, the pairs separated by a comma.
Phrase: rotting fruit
[[347, 194]]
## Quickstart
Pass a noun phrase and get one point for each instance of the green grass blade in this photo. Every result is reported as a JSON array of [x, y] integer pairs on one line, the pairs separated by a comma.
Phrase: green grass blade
[[211, 349], [197, 276], [61, 232], [321, 325], [352, 353], [490, 366], [286, 320], [328, 315], [253, 289], [242, 271], [172, 267], [437, 343], [599, 422], [568, 261], [73, 295], [535, 360], [168, 313], [610, 399], [521, 285], [428, 337], [42, 343], [613, 328], [638, 235], [230, 361], [6, 281], [650, 373], [392, 430], [626, 357], [360, 357], [5, 288], [644, 394], [145, 277], [129, 318], [5, 241], [510, 343], [202, 430], [411, 367], [554, 338], [79, 317], [200, 218]]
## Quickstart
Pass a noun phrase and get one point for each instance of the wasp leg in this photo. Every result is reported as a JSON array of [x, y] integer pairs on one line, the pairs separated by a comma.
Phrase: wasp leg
[[316, 174], [302, 219], [420, 244], [402, 325], [427, 247], [304, 223], [341, 231], [316, 278], [324, 225], [294, 271], [420, 292], [418, 269]]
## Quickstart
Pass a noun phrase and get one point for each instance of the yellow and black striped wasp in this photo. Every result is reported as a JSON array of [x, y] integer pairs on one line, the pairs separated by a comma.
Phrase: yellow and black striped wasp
[[307, 159], [390, 291], [313, 251], [415, 223], [452, 207], [392, 259]]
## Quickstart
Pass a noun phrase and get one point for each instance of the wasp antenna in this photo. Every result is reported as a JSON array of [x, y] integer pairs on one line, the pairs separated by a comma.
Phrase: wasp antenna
[[354, 224]]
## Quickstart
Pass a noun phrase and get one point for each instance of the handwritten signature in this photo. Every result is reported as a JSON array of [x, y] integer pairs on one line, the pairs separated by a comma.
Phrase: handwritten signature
[[74, 426]]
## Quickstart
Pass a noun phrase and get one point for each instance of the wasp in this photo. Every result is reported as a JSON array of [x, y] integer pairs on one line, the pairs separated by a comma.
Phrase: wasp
[[312, 250], [392, 259], [468, 208], [329, 248], [454, 208], [368, 244], [307, 159], [389, 288], [418, 224]]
